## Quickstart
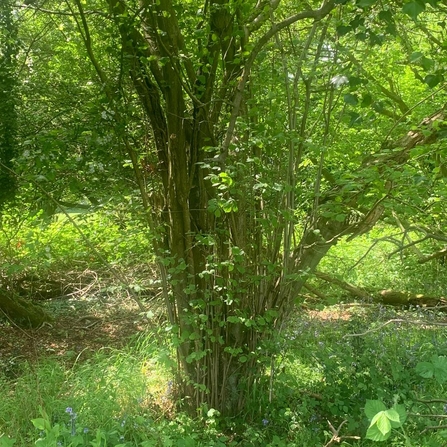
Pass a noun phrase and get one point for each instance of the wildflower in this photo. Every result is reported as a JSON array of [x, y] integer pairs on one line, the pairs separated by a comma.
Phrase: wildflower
[[445, 408], [339, 80], [85, 430], [73, 417], [265, 422]]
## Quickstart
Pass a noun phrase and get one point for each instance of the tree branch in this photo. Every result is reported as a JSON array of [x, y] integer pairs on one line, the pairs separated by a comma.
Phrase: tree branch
[[317, 14]]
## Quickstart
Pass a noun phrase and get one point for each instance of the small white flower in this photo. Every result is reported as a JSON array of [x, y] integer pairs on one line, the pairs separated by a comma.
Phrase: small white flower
[[339, 80]]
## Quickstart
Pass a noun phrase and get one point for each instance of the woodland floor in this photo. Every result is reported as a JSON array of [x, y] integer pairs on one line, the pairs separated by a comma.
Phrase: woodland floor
[[78, 330], [85, 321], [82, 327]]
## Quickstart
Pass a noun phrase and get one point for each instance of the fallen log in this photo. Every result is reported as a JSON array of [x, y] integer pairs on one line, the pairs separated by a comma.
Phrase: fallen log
[[389, 297], [397, 298]]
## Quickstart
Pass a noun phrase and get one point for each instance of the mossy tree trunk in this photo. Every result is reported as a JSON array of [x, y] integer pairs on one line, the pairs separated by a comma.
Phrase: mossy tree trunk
[[22, 312]]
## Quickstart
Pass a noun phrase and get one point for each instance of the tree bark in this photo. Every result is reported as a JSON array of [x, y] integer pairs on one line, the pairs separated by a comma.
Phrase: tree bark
[[22, 312]]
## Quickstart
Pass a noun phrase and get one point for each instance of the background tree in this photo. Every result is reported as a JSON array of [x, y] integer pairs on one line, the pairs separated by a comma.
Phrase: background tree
[[9, 46]]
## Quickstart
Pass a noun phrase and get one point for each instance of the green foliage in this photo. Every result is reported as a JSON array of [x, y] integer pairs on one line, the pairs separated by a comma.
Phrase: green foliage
[[256, 141], [9, 47], [31, 244], [436, 368], [382, 420]]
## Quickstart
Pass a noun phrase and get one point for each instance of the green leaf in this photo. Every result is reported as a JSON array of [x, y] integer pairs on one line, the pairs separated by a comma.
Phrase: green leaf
[[355, 119], [6, 442], [382, 422], [393, 417], [386, 16], [402, 412], [343, 29], [355, 81], [372, 407], [375, 434], [433, 80], [415, 57], [367, 100], [440, 369], [425, 369], [351, 99], [40, 423], [413, 9], [426, 63]]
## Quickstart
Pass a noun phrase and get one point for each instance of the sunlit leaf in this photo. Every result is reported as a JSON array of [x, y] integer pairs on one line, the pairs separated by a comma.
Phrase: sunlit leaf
[[372, 407]]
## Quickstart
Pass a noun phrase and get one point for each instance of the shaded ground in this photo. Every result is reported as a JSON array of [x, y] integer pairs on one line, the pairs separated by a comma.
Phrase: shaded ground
[[83, 326], [84, 322]]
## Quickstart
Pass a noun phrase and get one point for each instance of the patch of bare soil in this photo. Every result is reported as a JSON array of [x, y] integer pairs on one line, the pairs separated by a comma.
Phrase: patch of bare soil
[[84, 322]]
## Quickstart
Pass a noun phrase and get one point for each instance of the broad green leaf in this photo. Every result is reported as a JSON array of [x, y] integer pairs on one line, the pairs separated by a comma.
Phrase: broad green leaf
[[40, 423], [425, 369], [432, 80], [355, 119], [382, 422], [402, 412], [6, 442], [440, 369], [413, 9], [415, 57], [372, 407], [367, 100], [343, 29], [375, 434], [386, 16], [393, 417], [426, 63], [354, 81], [351, 99]]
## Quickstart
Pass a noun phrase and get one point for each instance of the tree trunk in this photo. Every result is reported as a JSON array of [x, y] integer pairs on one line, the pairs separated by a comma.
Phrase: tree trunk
[[22, 312]]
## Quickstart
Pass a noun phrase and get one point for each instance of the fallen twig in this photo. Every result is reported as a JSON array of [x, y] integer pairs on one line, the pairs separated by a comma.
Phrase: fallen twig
[[336, 438]]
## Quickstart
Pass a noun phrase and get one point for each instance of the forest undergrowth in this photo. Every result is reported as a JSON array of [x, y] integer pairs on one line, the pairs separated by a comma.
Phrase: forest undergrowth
[[340, 372]]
